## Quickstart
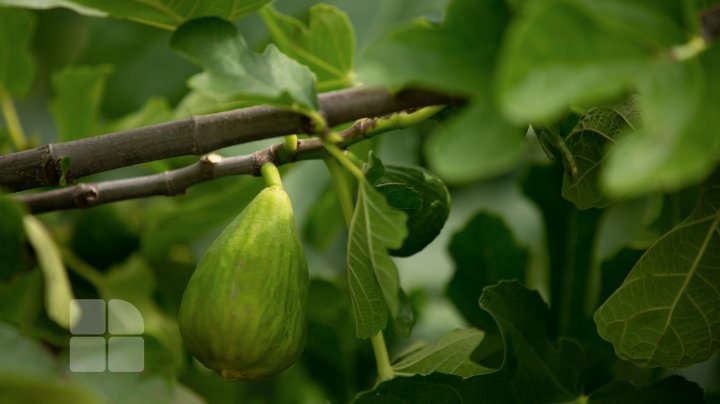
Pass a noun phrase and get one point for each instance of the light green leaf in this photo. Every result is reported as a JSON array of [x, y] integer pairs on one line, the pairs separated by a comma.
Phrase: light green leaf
[[588, 142], [678, 143], [168, 14], [16, 62], [234, 72], [373, 277], [58, 292], [46, 4], [450, 354], [326, 45], [458, 56], [78, 94], [598, 58], [476, 144], [665, 312]]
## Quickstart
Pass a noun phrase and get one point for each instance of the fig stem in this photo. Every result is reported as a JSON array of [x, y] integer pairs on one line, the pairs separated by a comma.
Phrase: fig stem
[[342, 188], [271, 175]]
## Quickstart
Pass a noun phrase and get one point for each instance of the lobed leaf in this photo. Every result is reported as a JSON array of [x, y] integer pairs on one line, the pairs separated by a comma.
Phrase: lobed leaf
[[484, 252], [326, 45], [450, 355], [233, 72], [535, 368], [667, 311]]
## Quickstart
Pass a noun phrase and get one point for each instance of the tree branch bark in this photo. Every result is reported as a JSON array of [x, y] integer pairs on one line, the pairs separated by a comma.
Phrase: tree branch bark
[[176, 182], [42, 166]]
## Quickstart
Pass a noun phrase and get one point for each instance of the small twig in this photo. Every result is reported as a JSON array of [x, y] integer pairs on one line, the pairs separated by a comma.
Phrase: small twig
[[176, 182]]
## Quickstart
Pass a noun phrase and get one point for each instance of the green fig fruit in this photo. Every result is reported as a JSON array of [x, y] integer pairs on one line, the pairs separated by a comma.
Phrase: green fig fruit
[[423, 197], [244, 310]]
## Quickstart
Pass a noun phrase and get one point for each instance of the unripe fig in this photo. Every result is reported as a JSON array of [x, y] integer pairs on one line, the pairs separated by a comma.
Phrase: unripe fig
[[423, 197], [244, 310]]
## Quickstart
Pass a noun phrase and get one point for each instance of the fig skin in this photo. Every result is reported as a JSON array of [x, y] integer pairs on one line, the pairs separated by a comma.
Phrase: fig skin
[[244, 311]]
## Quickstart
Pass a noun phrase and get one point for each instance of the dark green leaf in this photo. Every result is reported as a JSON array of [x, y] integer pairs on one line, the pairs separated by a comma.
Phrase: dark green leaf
[[441, 388], [484, 252], [169, 14], [569, 234], [450, 355], [234, 72], [78, 94], [664, 312], [373, 277], [598, 58], [12, 237], [545, 371], [326, 45], [588, 142], [16, 62], [535, 369], [670, 390]]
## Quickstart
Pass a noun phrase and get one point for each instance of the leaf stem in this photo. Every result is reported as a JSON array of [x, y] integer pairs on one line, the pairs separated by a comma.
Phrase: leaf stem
[[342, 188], [271, 174], [385, 371], [345, 161], [17, 135]]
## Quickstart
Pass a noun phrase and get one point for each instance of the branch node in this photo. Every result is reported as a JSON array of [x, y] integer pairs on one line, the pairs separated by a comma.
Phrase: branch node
[[51, 172], [86, 195]]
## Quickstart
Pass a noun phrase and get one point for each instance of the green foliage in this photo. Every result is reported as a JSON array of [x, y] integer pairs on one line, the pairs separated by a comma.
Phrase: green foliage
[[619, 234], [78, 94], [373, 278], [675, 325], [16, 63], [326, 45], [232, 71]]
